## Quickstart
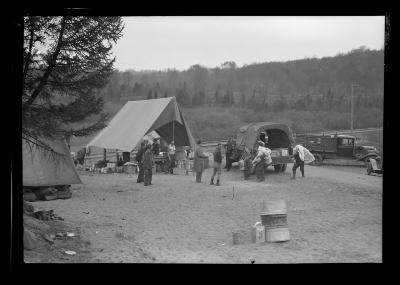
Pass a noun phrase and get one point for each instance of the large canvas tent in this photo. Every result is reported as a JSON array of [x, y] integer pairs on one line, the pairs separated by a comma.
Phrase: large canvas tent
[[139, 118], [44, 168]]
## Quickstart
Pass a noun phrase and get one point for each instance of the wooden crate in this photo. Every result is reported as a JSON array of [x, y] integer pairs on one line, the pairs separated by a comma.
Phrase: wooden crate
[[180, 171]]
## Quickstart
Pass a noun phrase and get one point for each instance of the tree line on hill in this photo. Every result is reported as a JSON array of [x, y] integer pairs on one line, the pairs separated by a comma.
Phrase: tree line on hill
[[306, 84]]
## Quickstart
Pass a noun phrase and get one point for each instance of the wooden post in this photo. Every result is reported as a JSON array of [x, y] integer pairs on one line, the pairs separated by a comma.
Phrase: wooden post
[[173, 131], [352, 108], [116, 155]]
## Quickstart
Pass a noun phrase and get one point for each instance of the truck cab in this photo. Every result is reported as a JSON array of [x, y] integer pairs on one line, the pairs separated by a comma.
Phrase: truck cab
[[345, 146]]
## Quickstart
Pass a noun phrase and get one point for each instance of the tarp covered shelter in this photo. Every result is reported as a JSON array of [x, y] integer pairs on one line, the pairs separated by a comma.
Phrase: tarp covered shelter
[[44, 168], [138, 118], [279, 135]]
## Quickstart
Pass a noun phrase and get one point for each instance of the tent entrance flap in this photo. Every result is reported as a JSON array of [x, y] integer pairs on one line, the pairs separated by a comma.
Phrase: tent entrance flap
[[176, 132]]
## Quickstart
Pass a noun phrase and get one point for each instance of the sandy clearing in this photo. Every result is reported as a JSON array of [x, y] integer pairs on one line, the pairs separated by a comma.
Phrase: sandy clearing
[[334, 215]]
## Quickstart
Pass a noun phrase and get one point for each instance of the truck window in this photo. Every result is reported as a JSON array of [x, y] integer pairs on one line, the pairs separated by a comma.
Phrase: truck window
[[347, 142]]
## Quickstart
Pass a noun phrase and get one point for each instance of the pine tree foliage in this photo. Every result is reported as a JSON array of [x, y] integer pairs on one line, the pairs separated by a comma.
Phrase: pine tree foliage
[[66, 61]]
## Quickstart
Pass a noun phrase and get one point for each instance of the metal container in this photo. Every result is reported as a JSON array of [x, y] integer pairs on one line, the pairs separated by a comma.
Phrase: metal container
[[238, 237], [277, 234], [274, 218], [271, 221], [274, 207]]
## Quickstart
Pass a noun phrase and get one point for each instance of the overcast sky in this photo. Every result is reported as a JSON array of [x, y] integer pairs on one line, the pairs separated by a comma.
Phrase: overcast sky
[[159, 43]]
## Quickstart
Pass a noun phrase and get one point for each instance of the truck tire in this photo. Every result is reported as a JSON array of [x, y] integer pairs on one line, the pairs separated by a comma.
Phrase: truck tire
[[318, 159], [283, 167], [278, 167]]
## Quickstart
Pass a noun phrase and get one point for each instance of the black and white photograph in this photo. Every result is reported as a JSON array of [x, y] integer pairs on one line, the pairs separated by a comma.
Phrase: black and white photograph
[[202, 139]]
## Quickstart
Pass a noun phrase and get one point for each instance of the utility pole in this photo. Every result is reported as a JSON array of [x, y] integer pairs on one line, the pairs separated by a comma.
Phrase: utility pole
[[352, 107]]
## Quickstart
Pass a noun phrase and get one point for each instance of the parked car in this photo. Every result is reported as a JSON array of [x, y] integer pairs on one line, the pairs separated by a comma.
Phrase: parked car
[[280, 141]]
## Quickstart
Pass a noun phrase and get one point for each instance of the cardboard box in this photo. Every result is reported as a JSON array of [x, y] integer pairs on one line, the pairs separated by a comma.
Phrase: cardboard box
[[258, 233]]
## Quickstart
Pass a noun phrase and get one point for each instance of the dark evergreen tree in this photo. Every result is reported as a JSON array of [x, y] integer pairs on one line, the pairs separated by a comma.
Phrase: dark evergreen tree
[[66, 62], [137, 89]]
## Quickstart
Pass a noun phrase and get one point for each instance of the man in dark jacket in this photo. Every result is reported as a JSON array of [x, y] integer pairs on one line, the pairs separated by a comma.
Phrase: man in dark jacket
[[229, 152], [139, 159], [217, 164], [156, 146], [148, 163], [247, 157], [80, 157]]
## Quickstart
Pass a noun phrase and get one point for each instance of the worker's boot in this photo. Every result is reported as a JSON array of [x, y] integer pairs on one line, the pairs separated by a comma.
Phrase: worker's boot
[[294, 175], [212, 181], [217, 183]]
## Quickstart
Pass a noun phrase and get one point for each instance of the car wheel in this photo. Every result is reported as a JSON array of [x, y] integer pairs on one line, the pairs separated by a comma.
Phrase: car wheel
[[283, 167]]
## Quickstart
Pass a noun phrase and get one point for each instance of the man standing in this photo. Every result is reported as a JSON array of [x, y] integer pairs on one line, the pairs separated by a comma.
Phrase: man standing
[[217, 164], [262, 159], [139, 159], [198, 165], [148, 163], [156, 146], [229, 153], [264, 138], [246, 157], [80, 157], [171, 157]]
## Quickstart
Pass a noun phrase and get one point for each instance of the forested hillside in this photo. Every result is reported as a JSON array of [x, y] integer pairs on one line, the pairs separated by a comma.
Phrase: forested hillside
[[308, 94]]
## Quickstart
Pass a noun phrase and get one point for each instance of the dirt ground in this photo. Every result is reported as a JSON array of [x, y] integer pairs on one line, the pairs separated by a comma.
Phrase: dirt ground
[[334, 215]]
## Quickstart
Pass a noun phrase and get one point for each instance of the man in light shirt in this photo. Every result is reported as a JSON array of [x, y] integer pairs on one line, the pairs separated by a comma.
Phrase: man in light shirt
[[171, 156], [217, 165], [262, 159], [301, 155]]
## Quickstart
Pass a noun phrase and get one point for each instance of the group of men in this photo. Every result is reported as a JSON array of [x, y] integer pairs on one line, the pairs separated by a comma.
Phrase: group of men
[[258, 158], [262, 158], [145, 160]]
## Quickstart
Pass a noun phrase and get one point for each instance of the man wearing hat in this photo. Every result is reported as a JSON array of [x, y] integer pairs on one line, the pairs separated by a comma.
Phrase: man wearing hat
[[217, 164], [139, 159], [148, 164], [264, 138], [156, 146], [229, 152], [171, 157], [198, 164], [262, 159]]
